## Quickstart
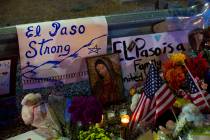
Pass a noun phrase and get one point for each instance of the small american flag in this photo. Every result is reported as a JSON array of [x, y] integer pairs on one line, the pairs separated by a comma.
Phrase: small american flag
[[155, 99], [196, 94]]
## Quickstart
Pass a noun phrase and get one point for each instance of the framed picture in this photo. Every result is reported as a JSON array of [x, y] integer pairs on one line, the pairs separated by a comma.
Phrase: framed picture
[[105, 78], [8, 67]]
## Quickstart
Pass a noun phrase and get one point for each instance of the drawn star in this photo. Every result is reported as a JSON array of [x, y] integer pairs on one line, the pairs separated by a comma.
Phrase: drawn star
[[94, 49]]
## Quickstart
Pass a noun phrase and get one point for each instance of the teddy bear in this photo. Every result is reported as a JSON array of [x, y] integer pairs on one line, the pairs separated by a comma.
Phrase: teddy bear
[[35, 112]]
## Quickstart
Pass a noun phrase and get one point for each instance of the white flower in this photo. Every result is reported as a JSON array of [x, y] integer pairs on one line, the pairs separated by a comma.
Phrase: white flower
[[134, 103]]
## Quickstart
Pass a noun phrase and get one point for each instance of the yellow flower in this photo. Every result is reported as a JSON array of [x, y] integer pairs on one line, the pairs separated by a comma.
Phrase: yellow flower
[[180, 102], [178, 58], [132, 91], [155, 136]]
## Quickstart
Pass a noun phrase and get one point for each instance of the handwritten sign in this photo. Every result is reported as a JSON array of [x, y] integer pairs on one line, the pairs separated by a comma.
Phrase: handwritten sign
[[53, 52], [137, 51]]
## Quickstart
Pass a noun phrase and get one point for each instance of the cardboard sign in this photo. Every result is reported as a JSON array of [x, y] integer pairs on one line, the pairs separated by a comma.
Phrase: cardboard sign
[[137, 51], [53, 52]]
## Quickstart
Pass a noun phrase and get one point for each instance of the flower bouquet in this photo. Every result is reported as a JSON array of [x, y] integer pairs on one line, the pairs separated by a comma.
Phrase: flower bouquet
[[190, 121], [74, 116], [93, 133], [185, 78], [85, 119], [85, 110], [186, 75]]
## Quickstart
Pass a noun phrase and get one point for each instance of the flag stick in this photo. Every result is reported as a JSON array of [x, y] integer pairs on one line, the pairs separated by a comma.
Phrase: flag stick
[[180, 138], [175, 118], [200, 91], [174, 114]]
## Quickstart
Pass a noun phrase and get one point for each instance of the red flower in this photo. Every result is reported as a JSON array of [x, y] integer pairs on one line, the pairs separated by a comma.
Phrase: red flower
[[198, 66], [85, 109]]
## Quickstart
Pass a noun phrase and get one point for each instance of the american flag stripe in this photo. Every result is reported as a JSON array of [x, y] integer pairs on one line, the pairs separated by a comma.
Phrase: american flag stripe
[[143, 100], [141, 114], [165, 96], [161, 95], [198, 99], [150, 115], [146, 107], [160, 103], [164, 100], [145, 103], [152, 104], [136, 111], [155, 99], [166, 105], [196, 95], [141, 110]]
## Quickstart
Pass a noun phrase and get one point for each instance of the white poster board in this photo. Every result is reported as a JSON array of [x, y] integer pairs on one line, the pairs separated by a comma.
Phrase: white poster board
[[54, 52], [137, 51]]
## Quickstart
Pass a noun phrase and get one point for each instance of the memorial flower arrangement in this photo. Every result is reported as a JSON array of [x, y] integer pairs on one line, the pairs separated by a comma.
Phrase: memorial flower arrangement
[[185, 76], [198, 66], [189, 121], [57, 106], [93, 133], [87, 119], [74, 119], [174, 70], [177, 70], [85, 109], [179, 65]]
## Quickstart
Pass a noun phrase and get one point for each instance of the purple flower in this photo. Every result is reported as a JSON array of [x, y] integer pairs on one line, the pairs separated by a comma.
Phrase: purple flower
[[86, 109]]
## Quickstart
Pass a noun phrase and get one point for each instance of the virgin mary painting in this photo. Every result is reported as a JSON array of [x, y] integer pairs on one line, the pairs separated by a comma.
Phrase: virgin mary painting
[[105, 79]]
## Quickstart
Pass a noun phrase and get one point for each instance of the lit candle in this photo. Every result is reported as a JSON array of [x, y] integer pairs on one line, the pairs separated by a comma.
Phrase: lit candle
[[125, 119]]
